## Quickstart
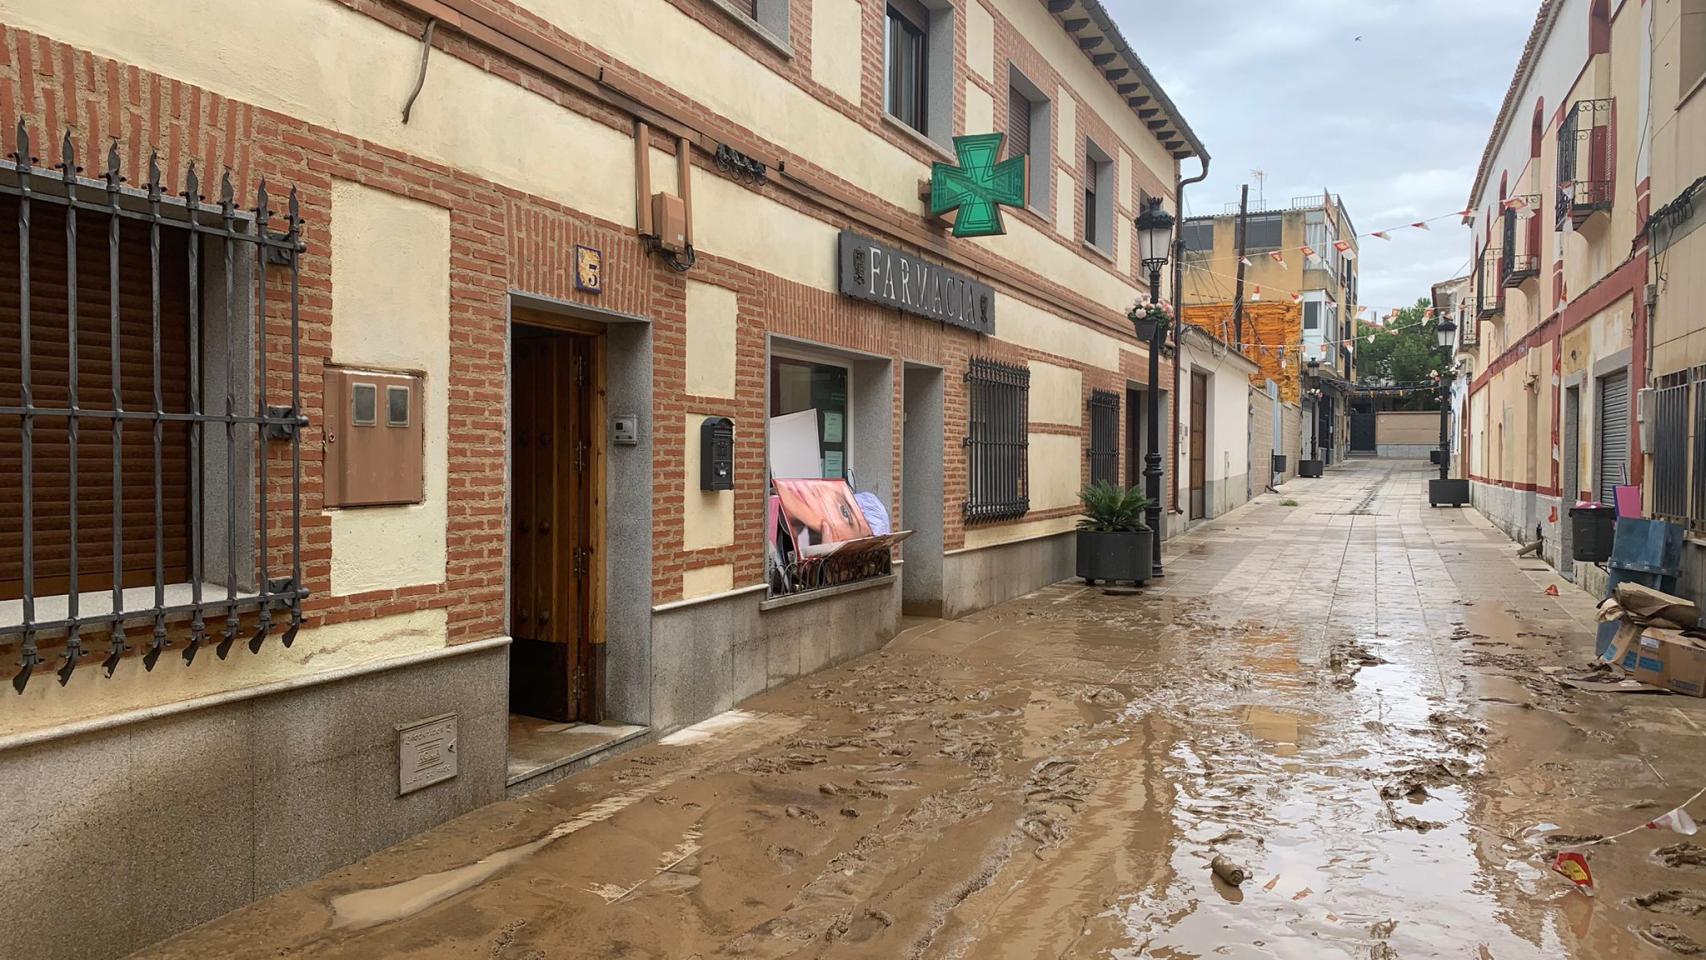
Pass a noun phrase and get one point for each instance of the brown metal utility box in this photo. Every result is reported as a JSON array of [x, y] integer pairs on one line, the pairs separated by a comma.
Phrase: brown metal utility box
[[375, 442]]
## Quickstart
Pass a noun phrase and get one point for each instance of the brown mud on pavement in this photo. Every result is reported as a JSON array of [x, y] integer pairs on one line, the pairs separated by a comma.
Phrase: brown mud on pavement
[[1355, 698]]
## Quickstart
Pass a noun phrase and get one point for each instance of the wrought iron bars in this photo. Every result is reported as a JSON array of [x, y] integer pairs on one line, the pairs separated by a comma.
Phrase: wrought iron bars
[[997, 440], [1104, 449], [238, 239], [1670, 448]]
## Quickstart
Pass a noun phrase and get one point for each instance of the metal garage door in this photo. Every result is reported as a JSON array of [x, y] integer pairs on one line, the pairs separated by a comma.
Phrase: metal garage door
[[1612, 466]]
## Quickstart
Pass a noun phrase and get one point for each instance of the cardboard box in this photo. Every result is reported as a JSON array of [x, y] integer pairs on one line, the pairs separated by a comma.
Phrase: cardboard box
[[1672, 659]]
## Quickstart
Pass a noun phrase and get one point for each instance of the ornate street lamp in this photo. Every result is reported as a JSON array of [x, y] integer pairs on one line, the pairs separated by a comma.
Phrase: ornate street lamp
[[1445, 489], [1154, 241]]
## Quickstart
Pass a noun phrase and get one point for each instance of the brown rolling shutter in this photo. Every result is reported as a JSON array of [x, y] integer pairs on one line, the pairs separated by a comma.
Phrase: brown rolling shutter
[[50, 380], [1018, 123]]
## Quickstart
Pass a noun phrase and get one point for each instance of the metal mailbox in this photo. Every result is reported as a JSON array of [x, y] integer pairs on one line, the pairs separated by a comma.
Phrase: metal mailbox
[[717, 454]]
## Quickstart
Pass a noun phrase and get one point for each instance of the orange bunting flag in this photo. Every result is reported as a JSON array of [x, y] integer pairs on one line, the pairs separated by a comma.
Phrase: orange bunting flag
[[1516, 203], [1308, 250], [1275, 256], [1428, 314], [1297, 298], [1344, 248], [1245, 261], [1382, 234], [1257, 295], [1575, 866], [1421, 225]]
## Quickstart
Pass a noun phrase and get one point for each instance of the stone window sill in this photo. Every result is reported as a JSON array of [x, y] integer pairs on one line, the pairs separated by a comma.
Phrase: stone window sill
[[762, 32], [918, 138], [824, 593]]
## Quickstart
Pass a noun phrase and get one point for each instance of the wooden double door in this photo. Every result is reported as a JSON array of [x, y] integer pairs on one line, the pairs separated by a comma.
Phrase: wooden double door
[[553, 496]]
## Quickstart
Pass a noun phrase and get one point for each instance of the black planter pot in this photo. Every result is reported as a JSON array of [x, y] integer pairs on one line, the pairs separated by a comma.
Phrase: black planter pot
[[1115, 556], [1454, 491], [1145, 330], [1310, 468]]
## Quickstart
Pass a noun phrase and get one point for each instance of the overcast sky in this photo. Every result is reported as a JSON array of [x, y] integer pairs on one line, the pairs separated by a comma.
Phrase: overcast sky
[[1394, 122]]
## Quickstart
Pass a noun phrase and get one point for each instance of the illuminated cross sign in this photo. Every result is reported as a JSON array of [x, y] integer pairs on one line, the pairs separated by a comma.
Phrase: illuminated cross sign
[[978, 187]]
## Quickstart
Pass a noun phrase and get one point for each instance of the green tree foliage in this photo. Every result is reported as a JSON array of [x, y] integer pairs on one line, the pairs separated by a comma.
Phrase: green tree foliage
[[1403, 351]]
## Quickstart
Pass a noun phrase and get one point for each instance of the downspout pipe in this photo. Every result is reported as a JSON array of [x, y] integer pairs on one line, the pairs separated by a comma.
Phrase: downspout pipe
[[1180, 182]]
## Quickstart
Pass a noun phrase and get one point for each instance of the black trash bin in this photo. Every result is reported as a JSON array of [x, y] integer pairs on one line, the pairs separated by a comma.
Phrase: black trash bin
[[1433, 457], [1592, 529], [1279, 462]]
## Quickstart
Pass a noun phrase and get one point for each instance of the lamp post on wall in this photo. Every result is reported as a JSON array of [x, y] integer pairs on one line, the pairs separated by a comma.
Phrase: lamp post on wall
[[1445, 333], [1154, 240]]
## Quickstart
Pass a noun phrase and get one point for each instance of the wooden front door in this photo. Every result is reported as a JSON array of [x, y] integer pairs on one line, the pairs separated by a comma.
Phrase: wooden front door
[[1199, 446], [551, 439]]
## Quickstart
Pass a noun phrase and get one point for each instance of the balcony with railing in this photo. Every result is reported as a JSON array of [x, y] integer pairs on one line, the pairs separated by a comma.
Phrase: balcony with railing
[[1584, 161], [1521, 260], [1489, 296]]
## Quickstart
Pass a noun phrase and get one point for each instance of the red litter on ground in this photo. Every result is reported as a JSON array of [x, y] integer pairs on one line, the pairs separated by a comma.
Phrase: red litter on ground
[[1575, 866], [1551, 590]]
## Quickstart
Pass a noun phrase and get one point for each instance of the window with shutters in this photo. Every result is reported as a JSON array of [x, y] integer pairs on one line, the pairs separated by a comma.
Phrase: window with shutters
[[908, 62], [1611, 464], [134, 412], [1104, 450], [767, 18], [997, 440], [1264, 232], [1029, 128], [1098, 198]]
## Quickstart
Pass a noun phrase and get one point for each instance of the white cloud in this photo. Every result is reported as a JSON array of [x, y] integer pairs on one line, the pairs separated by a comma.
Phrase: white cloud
[[1394, 123]]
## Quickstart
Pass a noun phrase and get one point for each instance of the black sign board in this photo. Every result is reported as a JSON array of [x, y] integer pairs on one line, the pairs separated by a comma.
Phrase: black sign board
[[881, 274]]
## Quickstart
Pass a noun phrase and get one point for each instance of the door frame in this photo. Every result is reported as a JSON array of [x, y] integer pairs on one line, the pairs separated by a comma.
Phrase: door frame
[[598, 494]]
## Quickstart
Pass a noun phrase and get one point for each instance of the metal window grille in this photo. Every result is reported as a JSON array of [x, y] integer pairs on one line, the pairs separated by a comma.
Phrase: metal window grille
[[1697, 513], [1670, 450], [997, 441], [1584, 160], [1104, 436], [177, 281]]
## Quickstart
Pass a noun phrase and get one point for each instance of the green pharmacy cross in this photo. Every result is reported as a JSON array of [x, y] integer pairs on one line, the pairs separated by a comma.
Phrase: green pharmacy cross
[[978, 187]]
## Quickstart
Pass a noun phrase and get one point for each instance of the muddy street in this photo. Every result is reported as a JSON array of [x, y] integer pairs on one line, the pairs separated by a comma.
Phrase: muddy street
[[1354, 697]]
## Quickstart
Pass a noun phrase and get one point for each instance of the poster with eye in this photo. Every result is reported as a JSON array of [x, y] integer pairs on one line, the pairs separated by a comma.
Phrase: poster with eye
[[820, 511]]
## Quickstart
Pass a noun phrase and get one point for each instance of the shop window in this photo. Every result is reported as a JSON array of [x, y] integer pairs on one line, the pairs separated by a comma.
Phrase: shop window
[[1098, 198], [1104, 436], [797, 386], [1029, 129], [997, 440], [918, 58]]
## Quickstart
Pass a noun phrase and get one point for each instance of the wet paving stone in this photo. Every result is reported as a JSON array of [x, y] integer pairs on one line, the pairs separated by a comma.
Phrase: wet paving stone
[[1355, 698]]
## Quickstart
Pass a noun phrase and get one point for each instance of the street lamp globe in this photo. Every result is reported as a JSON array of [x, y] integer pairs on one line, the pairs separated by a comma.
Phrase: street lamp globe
[[1154, 234], [1445, 332]]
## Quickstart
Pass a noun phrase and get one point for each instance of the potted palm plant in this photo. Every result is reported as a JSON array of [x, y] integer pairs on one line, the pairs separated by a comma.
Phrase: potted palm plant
[[1113, 541]]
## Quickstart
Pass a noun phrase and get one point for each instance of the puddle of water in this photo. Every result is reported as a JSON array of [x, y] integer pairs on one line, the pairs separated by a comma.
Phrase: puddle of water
[[1284, 729]]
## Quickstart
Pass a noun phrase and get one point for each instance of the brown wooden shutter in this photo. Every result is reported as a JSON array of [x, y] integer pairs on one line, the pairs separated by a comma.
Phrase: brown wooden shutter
[[1018, 123], [50, 380]]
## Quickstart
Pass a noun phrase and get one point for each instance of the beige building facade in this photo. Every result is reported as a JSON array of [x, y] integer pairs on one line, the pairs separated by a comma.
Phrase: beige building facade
[[1555, 338], [542, 300]]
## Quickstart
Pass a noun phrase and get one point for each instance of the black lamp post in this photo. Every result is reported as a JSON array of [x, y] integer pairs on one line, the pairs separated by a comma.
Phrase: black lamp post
[[1445, 333], [1154, 240]]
